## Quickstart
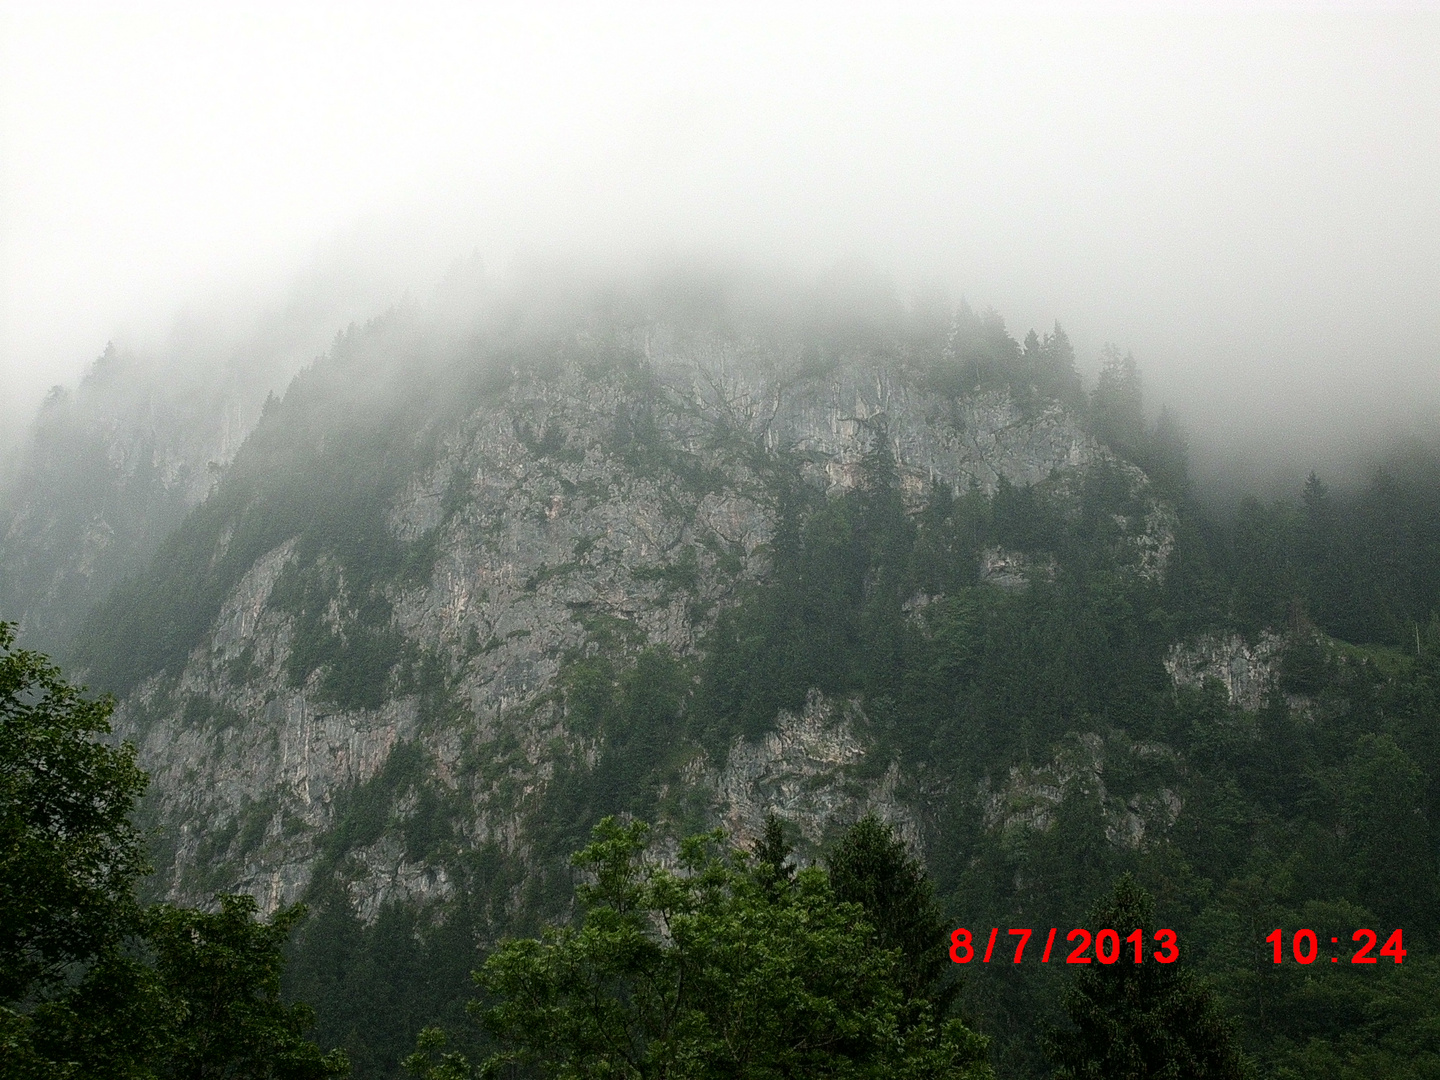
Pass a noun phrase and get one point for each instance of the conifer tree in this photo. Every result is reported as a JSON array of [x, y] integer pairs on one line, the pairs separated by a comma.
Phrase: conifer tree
[[1137, 1021], [870, 867], [1117, 406], [772, 855]]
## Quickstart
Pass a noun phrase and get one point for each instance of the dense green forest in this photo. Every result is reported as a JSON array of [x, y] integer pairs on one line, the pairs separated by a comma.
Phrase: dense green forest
[[733, 962], [1048, 750], [1315, 811]]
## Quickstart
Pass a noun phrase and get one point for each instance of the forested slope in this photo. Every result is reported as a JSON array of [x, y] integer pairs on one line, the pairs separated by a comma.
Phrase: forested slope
[[457, 599]]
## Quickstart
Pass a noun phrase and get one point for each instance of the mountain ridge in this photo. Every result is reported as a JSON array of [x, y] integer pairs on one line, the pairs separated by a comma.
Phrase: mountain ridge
[[461, 594], [566, 521]]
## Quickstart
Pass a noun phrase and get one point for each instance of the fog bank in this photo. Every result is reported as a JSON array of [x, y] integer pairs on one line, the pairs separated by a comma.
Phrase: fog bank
[[1245, 201]]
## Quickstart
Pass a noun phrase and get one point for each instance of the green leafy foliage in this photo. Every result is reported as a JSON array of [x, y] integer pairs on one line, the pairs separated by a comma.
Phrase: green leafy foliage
[[92, 984], [70, 856], [222, 970], [707, 970]]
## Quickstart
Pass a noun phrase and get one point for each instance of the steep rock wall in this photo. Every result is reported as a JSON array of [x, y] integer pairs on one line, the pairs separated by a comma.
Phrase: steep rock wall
[[1248, 671], [582, 505]]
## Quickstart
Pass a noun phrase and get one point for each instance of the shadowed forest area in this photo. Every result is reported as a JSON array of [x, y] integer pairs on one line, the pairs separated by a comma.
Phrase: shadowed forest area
[[1152, 712]]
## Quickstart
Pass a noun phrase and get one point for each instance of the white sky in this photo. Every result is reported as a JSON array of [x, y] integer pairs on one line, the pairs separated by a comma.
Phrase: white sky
[[1250, 202]]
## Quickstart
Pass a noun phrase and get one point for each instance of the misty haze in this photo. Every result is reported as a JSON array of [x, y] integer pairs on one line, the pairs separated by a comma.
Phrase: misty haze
[[785, 542]]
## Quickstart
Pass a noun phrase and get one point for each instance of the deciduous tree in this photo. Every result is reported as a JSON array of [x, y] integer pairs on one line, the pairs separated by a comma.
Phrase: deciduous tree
[[709, 970]]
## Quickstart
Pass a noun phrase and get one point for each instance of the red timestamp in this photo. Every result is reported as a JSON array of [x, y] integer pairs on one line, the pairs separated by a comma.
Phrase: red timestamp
[[1305, 946], [1108, 946]]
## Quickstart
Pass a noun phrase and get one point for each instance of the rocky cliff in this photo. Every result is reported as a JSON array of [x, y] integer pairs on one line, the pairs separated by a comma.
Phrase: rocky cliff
[[590, 507], [470, 586]]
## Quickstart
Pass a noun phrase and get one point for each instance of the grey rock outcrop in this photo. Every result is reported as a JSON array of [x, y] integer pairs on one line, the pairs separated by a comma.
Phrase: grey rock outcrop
[[550, 532], [811, 770], [1248, 671], [1030, 797]]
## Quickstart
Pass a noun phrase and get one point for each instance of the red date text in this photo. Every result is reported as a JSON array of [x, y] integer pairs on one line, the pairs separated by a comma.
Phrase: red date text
[[1105, 946], [1305, 947]]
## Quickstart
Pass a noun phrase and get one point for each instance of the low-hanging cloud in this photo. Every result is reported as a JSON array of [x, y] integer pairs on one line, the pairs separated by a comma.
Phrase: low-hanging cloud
[[1244, 200]]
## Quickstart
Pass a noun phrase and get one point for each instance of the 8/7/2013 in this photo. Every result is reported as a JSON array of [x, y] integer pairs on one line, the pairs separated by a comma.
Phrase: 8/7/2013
[[1107, 945]]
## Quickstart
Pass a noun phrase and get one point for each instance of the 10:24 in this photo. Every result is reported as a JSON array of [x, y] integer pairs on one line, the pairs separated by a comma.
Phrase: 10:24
[[1306, 946]]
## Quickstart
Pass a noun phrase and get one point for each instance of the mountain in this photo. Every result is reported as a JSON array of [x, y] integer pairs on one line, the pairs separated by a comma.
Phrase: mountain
[[107, 472], [462, 592], [440, 600], [109, 468]]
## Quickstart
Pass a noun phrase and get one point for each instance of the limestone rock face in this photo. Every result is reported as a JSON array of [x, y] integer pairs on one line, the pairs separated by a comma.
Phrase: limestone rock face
[[1029, 797], [1248, 672], [1013, 569], [814, 769], [579, 507]]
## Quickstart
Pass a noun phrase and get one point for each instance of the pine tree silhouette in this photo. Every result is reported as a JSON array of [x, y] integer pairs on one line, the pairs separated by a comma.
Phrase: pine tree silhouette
[[1137, 1021]]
